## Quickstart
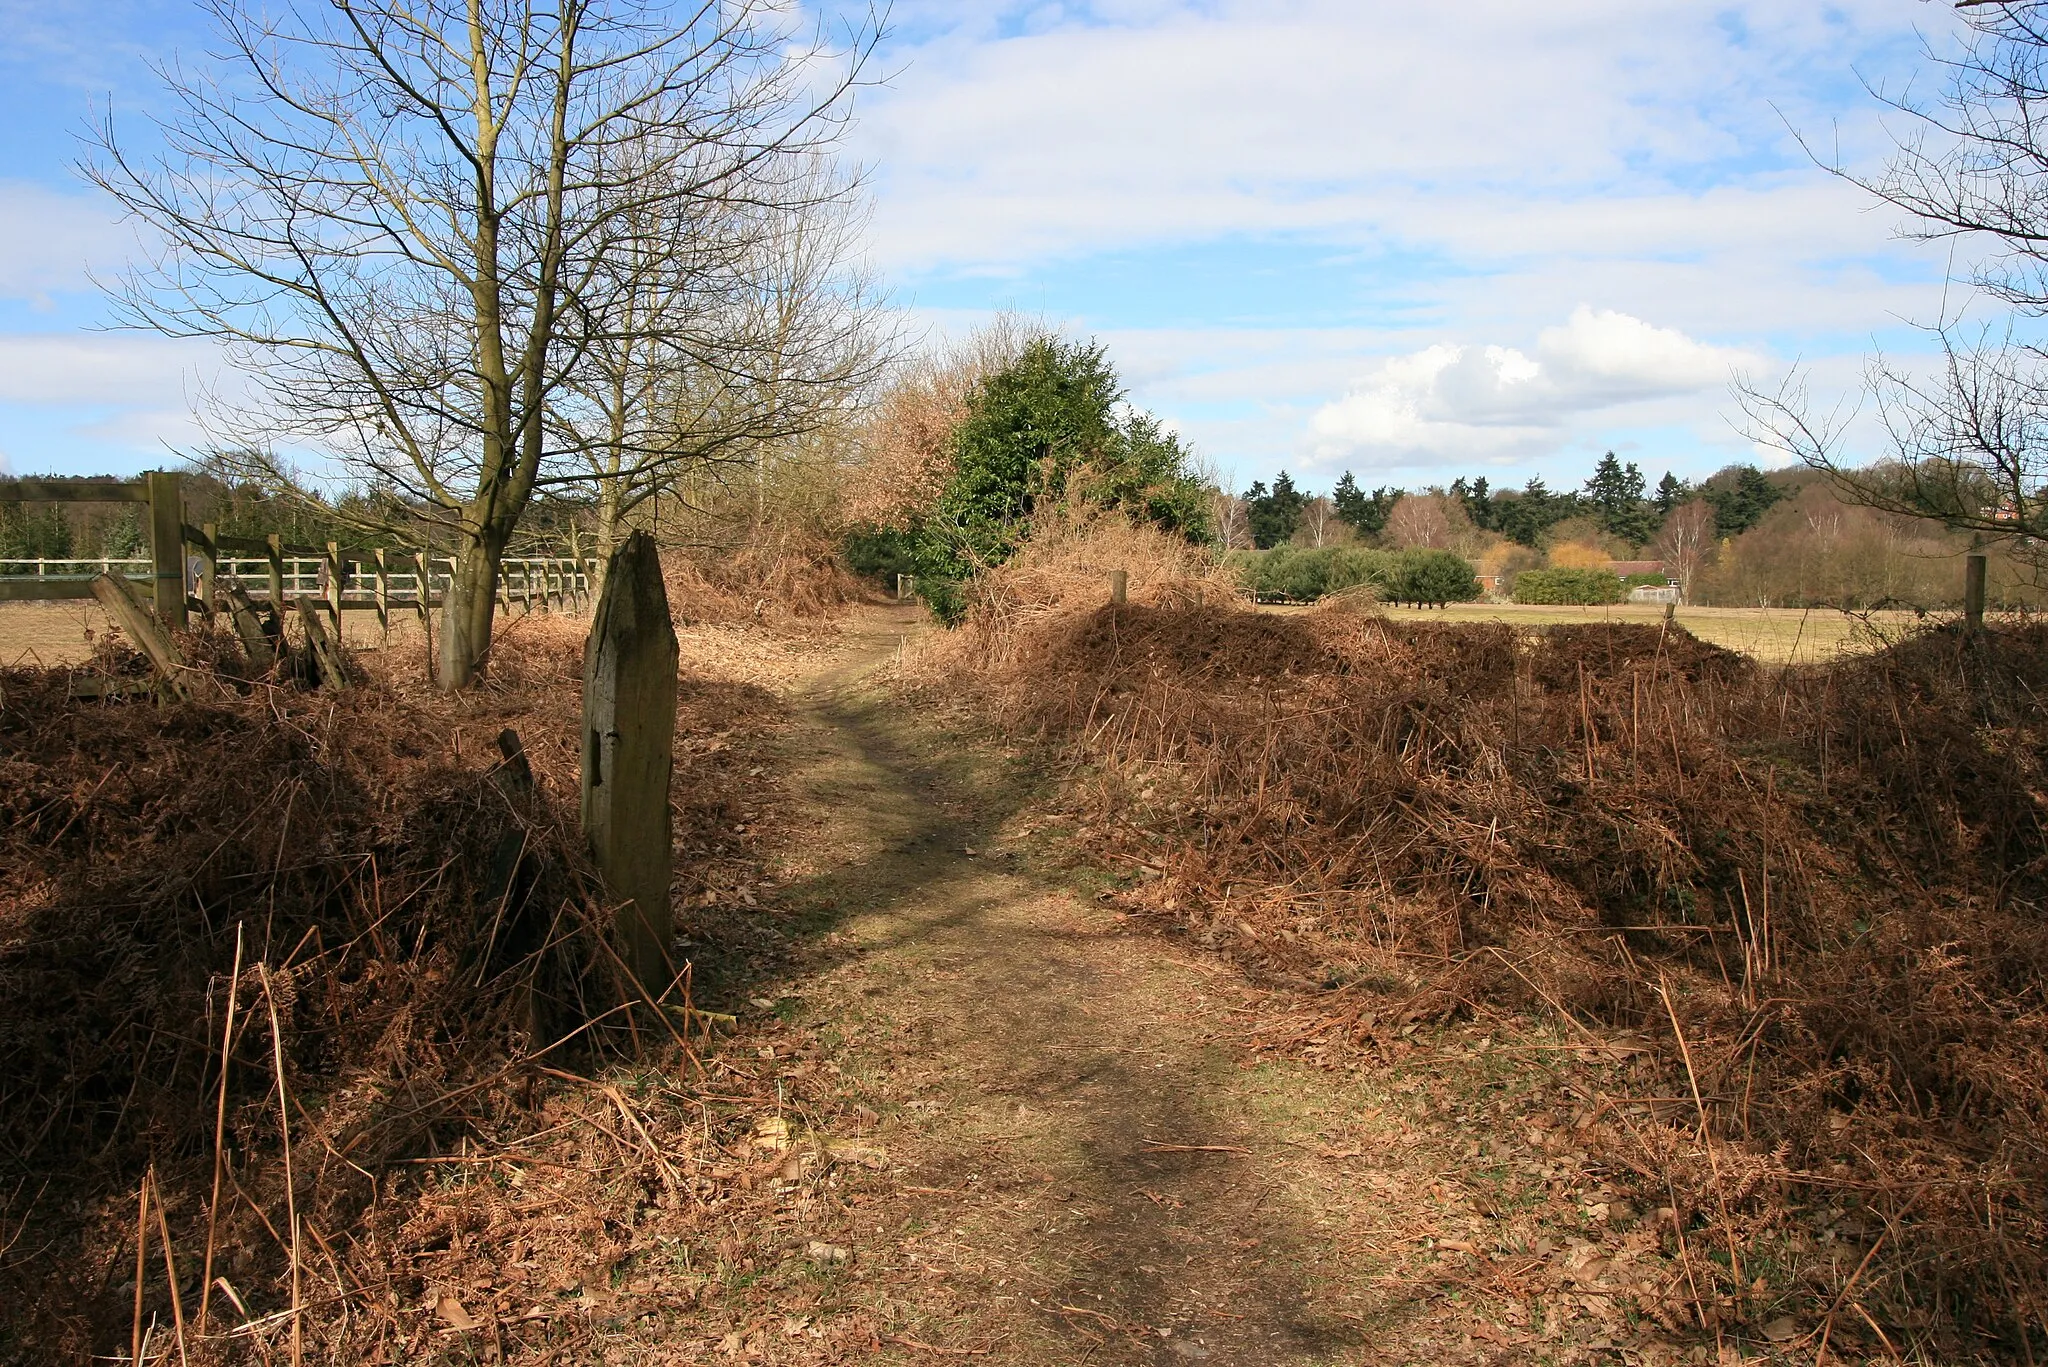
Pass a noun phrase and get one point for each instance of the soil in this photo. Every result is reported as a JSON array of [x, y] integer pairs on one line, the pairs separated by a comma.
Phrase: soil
[[1069, 1143]]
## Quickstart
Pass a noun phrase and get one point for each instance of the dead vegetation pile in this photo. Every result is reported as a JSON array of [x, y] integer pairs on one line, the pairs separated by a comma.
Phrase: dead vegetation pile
[[1066, 568], [1813, 898], [790, 581], [292, 985]]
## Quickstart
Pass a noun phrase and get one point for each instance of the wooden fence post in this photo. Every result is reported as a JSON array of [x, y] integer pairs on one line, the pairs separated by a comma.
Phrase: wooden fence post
[[326, 656], [629, 723], [209, 566], [383, 596], [422, 591], [1973, 592], [334, 570], [167, 547], [1119, 587], [276, 557]]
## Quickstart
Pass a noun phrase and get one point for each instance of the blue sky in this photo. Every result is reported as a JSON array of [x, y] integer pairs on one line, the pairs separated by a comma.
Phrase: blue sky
[[1411, 241]]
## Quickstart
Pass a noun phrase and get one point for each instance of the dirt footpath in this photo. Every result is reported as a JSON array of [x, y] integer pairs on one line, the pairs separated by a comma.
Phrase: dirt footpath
[[1082, 1160]]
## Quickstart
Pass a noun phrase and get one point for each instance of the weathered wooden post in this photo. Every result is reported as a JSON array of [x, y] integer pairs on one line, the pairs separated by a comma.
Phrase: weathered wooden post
[[327, 661], [209, 567], [383, 596], [167, 547], [629, 726], [151, 638], [1973, 592], [423, 590], [335, 566], [275, 555], [261, 649], [1119, 587]]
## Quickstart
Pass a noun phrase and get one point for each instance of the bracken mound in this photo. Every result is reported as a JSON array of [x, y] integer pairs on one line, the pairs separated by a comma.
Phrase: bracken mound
[[1817, 894]]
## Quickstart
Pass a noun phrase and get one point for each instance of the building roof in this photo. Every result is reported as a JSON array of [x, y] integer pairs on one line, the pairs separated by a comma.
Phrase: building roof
[[1625, 568]]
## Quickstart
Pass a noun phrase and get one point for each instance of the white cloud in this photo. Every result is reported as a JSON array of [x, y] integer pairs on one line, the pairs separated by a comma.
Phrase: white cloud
[[48, 240], [120, 370], [1373, 122], [1453, 403], [83, 401], [1487, 166]]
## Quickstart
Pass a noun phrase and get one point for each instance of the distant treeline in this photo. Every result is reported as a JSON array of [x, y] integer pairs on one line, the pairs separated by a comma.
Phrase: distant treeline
[[1742, 537], [1615, 500]]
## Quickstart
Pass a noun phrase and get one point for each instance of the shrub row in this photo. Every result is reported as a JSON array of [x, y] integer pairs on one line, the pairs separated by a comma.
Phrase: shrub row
[[1568, 586], [1304, 575]]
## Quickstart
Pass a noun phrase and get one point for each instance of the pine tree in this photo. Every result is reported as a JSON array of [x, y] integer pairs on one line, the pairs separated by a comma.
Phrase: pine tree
[[1274, 516], [1475, 500], [1741, 505], [1671, 491], [1615, 493], [1524, 517], [1366, 514]]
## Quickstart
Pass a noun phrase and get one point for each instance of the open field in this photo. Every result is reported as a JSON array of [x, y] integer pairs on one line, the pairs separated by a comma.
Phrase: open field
[[1773, 635], [55, 633]]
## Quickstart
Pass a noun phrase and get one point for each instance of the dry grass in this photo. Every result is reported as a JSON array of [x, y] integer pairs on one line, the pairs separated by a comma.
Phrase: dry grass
[[793, 581], [1814, 896], [312, 990]]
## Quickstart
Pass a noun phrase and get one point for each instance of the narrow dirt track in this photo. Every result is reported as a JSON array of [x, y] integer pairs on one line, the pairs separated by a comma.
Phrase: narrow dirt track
[[1084, 1162]]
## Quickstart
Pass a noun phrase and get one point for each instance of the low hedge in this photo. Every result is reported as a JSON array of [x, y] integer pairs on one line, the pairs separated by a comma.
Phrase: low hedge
[[1568, 587], [1306, 574]]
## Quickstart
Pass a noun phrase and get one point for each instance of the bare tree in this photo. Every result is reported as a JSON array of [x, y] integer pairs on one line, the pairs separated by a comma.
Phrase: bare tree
[[1967, 446], [1685, 543], [400, 218], [737, 334], [1420, 520], [1317, 518], [1227, 515]]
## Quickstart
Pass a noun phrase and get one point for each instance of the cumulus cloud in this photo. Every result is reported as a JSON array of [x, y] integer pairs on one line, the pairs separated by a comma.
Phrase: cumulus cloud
[[1460, 403]]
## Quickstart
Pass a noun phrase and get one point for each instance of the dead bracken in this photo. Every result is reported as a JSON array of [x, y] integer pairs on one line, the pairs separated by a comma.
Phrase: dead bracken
[[1806, 904]]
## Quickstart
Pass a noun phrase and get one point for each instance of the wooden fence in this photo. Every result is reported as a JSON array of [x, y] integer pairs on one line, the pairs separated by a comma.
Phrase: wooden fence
[[186, 564]]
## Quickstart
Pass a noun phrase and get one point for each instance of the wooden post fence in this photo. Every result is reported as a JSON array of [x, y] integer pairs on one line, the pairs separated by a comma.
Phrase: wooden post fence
[[275, 555], [151, 638], [423, 586], [167, 547], [629, 723], [336, 568], [209, 567], [1973, 592], [1119, 587]]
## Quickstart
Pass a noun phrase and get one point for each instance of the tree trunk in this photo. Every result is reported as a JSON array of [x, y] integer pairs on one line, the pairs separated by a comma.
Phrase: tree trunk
[[467, 611], [607, 533]]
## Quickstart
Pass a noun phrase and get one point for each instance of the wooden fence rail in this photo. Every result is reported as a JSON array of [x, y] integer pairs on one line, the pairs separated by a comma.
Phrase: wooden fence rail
[[186, 564]]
